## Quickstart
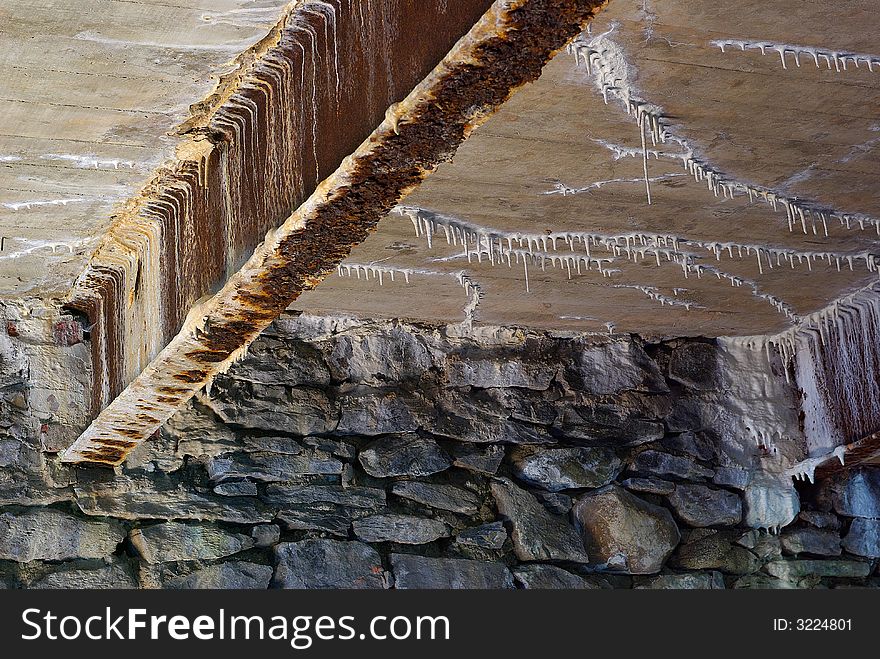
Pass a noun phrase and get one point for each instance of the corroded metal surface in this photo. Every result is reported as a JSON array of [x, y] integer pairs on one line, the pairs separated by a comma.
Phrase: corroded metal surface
[[507, 48], [863, 451]]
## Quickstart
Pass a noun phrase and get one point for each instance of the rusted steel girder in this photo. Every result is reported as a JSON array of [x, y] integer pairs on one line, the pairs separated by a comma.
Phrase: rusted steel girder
[[856, 453], [507, 48]]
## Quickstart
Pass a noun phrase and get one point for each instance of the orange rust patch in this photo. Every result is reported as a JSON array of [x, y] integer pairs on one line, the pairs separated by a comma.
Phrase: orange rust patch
[[192, 375]]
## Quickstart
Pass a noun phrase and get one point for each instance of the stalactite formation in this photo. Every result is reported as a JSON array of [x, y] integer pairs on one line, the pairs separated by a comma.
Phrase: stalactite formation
[[497, 246], [606, 61], [833, 357], [833, 354], [833, 59], [380, 273]]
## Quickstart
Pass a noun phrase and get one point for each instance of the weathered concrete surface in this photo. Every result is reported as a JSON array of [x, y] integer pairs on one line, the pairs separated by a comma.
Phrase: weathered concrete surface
[[119, 80], [803, 132], [92, 94]]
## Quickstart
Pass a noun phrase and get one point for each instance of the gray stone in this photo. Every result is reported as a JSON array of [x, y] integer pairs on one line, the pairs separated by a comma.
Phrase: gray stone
[[546, 577], [732, 477], [236, 489], [297, 410], [698, 505], [488, 536], [334, 446], [402, 529], [696, 445], [609, 425], [771, 502], [556, 469], [665, 464], [378, 413], [708, 549], [762, 544], [329, 508], [52, 535], [556, 503], [105, 577], [690, 414], [441, 497], [199, 432], [448, 573], [809, 540], [863, 538], [403, 455], [328, 518], [820, 520], [9, 576], [649, 485], [696, 365], [613, 367], [10, 452], [470, 368], [392, 355], [534, 407], [272, 467], [287, 496], [173, 541], [537, 535], [232, 575], [481, 459], [859, 494], [766, 582], [624, 533], [450, 423], [328, 564], [283, 445], [817, 568], [140, 498], [265, 535], [270, 360], [711, 580]]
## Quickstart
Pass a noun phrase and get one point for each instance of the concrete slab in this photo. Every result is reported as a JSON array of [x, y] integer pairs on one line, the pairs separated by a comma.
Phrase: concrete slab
[[558, 159]]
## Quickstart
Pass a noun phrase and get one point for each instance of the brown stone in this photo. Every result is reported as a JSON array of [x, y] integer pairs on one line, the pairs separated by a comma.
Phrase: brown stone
[[624, 533]]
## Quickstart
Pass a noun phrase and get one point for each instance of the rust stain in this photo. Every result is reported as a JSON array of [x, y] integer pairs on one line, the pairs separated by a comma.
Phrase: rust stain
[[191, 375], [506, 49]]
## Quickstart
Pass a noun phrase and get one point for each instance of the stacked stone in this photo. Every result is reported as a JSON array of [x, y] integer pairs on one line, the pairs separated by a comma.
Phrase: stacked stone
[[378, 455]]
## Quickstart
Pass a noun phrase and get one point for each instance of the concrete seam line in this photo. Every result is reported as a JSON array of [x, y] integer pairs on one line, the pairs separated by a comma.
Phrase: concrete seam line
[[506, 49]]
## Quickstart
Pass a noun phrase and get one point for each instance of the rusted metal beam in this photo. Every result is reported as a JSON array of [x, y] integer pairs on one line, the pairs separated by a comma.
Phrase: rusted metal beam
[[507, 48], [288, 111], [854, 454]]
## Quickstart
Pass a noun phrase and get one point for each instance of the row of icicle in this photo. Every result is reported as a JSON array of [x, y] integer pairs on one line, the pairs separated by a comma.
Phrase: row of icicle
[[379, 273], [833, 58], [612, 81]]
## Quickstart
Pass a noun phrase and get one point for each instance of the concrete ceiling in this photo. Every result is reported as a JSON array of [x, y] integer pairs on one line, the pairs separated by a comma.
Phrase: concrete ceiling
[[91, 93], [559, 161]]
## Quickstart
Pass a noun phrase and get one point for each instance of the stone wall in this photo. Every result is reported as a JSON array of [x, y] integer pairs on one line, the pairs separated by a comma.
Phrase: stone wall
[[380, 454]]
